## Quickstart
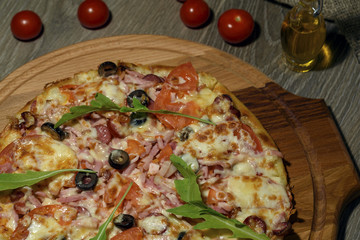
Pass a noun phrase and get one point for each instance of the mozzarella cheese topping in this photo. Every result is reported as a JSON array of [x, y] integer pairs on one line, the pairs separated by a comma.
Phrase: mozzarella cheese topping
[[237, 177], [43, 153]]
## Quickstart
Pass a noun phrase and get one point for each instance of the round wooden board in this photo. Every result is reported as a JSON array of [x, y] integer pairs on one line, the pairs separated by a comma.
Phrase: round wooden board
[[305, 163]]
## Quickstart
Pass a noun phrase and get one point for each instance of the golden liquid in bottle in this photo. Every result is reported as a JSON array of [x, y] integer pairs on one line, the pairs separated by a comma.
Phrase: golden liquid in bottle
[[302, 36]]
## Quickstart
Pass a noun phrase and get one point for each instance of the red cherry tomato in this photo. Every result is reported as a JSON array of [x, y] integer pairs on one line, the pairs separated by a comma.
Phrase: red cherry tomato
[[194, 13], [235, 25], [26, 25], [93, 13]]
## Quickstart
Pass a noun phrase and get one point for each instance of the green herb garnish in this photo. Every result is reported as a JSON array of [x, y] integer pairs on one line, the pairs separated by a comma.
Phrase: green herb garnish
[[101, 235], [15, 180], [103, 103], [189, 192]]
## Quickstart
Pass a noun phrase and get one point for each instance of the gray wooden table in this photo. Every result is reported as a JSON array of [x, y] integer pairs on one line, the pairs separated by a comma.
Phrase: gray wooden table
[[338, 83]]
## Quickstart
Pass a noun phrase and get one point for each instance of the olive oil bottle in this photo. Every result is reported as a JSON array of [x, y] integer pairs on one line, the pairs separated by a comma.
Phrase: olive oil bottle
[[303, 34]]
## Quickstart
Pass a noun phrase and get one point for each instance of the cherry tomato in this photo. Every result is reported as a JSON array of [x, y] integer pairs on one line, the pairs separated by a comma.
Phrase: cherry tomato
[[93, 13], [26, 25], [194, 13], [235, 25]]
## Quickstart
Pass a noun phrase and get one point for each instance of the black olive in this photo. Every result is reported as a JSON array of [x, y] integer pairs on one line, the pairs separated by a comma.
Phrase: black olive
[[122, 67], [139, 94], [138, 118], [185, 133], [119, 159], [124, 221], [86, 181], [181, 235], [107, 69], [55, 133]]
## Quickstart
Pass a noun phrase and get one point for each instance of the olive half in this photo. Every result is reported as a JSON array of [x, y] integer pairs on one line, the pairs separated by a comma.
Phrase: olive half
[[138, 118], [119, 159], [181, 235], [124, 221], [107, 69], [55, 133], [86, 181], [185, 133], [140, 95]]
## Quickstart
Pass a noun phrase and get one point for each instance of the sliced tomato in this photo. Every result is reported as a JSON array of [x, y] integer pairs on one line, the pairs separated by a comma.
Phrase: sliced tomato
[[69, 87], [134, 233], [183, 77], [134, 147], [179, 122], [216, 196], [163, 101], [165, 153], [63, 214], [71, 90], [6, 158], [133, 196], [258, 148]]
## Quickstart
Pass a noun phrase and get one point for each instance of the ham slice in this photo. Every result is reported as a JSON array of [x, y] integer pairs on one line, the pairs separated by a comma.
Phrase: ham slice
[[147, 160], [73, 198]]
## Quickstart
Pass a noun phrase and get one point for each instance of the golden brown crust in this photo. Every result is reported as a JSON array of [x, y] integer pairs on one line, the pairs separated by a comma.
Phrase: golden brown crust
[[248, 117]]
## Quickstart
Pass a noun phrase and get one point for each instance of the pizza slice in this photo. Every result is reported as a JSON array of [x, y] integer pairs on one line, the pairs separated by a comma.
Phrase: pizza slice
[[114, 132]]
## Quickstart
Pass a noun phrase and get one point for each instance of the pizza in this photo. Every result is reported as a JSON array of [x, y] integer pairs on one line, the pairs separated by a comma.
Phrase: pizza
[[140, 152]]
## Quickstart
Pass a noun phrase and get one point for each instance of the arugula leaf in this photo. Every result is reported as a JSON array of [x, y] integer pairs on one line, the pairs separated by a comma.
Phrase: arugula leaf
[[103, 103], [101, 235], [189, 192], [187, 188], [15, 180], [100, 103]]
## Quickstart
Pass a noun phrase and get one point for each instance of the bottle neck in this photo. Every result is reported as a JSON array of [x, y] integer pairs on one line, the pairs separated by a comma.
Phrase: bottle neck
[[315, 5]]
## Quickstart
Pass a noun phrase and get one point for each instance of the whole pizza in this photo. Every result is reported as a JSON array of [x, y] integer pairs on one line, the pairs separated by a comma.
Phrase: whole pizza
[[130, 151]]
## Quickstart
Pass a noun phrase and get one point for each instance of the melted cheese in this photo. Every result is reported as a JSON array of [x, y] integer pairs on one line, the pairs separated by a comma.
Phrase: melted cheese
[[54, 94], [44, 154], [87, 77], [43, 227], [257, 192], [154, 224], [114, 92], [7, 216], [214, 143]]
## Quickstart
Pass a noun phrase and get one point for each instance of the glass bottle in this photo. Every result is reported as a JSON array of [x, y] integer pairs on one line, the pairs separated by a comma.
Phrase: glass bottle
[[303, 34]]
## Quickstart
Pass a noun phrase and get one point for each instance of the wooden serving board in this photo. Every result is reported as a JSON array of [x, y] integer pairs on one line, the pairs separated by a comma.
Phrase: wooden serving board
[[320, 170]]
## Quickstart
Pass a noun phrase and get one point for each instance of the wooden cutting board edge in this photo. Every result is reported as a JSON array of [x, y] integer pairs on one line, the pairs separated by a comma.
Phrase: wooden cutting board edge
[[324, 205], [203, 57]]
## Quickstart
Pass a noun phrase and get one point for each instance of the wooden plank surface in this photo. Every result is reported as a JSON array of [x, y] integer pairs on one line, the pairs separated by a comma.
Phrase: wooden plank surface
[[302, 128], [336, 80]]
